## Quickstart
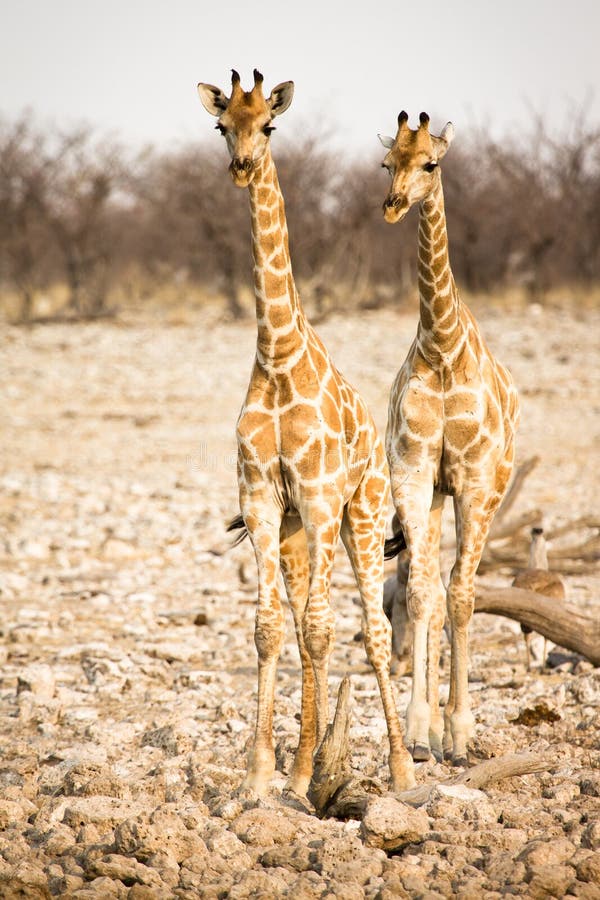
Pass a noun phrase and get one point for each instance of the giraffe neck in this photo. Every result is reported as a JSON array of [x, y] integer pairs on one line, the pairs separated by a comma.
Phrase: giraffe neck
[[279, 315], [438, 298]]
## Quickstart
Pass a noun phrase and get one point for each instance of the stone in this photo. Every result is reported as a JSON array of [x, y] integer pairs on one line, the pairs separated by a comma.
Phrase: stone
[[589, 785], [157, 832], [589, 868], [172, 739], [549, 880], [263, 827], [389, 824], [547, 853], [25, 879], [456, 802], [12, 812], [307, 886], [102, 811], [297, 856], [266, 885], [591, 836], [585, 890], [38, 679], [124, 869]]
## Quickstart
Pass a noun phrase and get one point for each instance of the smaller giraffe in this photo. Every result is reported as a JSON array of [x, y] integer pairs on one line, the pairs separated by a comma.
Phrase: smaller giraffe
[[311, 466], [453, 413], [537, 577]]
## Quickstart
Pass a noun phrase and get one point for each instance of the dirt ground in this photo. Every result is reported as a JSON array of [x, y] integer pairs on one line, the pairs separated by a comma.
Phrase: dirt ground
[[127, 691]]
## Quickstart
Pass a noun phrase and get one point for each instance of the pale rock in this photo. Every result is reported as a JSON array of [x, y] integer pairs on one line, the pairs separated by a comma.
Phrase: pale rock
[[124, 869], [553, 852], [13, 812], [588, 867], [158, 832], [390, 824], [549, 880], [591, 836], [265, 827], [38, 678], [106, 812], [117, 549]]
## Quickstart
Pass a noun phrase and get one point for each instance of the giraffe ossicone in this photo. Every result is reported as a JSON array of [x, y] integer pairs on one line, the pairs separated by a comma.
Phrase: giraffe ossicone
[[452, 418], [311, 467]]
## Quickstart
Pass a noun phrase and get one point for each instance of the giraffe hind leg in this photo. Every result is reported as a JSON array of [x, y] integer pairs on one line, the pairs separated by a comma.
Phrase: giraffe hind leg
[[474, 512]]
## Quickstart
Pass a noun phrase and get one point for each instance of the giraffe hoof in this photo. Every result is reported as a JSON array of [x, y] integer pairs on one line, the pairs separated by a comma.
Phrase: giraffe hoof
[[460, 761], [448, 755], [299, 802], [420, 752]]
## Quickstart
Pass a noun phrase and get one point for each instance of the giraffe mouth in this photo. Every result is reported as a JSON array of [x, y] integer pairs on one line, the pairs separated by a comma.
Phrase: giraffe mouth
[[242, 172]]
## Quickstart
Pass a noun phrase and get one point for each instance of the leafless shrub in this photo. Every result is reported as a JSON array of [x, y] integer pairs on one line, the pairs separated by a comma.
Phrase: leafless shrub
[[79, 211]]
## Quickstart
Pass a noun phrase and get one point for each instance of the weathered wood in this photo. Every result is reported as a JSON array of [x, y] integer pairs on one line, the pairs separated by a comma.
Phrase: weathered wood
[[351, 801], [574, 525], [481, 775], [331, 769], [560, 622]]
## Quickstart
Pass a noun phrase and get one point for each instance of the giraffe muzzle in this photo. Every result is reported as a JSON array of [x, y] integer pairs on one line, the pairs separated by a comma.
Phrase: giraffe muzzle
[[242, 171], [395, 207]]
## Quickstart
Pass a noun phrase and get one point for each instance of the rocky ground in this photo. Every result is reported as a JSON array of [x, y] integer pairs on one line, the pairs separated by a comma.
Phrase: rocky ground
[[127, 689]]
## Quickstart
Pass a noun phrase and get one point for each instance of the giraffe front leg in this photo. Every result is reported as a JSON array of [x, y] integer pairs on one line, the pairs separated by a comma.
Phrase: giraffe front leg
[[268, 638], [322, 521], [419, 510], [294, 566]]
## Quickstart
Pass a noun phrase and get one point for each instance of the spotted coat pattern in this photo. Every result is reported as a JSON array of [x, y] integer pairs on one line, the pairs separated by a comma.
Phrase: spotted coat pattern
[[453, 413], [311, 468]]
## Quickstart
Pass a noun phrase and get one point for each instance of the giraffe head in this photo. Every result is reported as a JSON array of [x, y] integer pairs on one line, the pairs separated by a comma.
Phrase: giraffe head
[[244, 120], [412, 161]]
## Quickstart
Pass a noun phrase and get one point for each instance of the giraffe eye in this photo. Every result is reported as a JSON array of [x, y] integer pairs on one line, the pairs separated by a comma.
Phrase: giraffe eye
[[221, 128], [268, 129], [430, 166]]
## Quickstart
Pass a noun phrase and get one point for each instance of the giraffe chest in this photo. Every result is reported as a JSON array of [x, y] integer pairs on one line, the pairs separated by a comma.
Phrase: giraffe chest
[[303, 436], [448, 421]]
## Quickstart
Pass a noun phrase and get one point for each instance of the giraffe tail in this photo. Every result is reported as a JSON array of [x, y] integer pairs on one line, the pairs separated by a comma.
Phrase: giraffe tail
[[235, 525], [394, 545]]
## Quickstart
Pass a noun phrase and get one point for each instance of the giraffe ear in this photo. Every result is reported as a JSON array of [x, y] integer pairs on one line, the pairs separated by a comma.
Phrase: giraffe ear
[[213, 99], [386, 140], [442, 142], [448, 133], [281, 97]]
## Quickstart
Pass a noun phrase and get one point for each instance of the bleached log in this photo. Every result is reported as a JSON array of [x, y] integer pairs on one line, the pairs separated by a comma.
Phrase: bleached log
[[560, 622], [481, 775]]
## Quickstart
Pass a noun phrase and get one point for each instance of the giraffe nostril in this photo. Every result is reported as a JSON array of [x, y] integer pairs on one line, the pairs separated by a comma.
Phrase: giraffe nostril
[[242, 165]]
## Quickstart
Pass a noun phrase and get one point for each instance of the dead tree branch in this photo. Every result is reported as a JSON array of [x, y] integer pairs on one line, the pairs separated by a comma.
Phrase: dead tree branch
[[337, 792], [332, 760], [560, 622]]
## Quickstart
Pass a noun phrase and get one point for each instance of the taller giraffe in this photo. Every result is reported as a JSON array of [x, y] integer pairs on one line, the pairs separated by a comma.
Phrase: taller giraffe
[[310, 463], [453, 414]]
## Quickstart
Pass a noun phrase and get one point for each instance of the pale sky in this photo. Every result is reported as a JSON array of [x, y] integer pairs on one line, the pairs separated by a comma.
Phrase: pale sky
[[131, 67]]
